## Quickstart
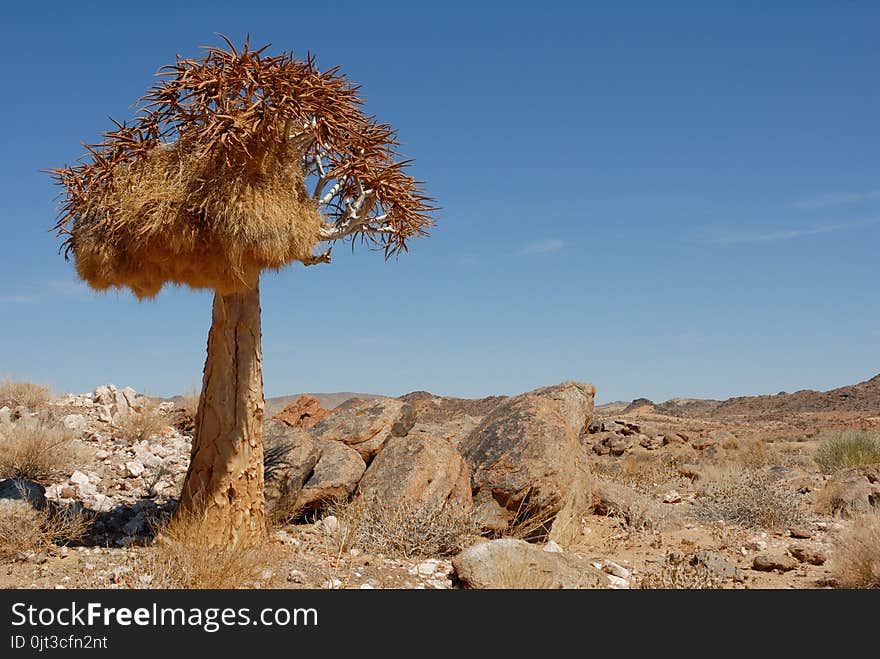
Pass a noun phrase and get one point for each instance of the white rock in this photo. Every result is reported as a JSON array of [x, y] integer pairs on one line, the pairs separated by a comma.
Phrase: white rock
[[330, 524], [104, 413], [134, 468], [366, 586], [615, 569], [295, 576], [102, 503], [331, 584], [427, 568], [553, 547], [265, 575], [671, 497], [79, 478], [101, 454], [618, 582]]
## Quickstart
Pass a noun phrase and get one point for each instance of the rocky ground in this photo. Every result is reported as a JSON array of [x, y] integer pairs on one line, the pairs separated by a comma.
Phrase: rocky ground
[[546, 492]]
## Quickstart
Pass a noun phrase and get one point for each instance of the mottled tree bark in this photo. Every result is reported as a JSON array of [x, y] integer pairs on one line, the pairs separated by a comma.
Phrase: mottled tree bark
[[224, 482]]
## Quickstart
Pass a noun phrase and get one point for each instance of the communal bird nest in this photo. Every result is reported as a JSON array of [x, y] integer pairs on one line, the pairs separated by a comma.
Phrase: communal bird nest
[[237, 162]]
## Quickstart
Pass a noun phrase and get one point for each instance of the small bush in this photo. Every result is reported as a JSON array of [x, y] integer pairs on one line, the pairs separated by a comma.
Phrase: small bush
[[35, 450], [751, 500], [24, 393], [142, 424], [848, 449], [680, 573], [856, 558], [404, 529], [179, 559], [25, 530]]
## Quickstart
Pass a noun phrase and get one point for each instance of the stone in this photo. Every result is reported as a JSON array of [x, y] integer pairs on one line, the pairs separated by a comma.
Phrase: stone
[[806, 554], [335, 476], [613, 498], [716, 563], [289, 455], [104, 395], [296, 576], [366, 425], [553, 547], [104, 413], [304, 412], [134, 468], [330, 524], [801, 533], [672, 497], [75, 422], [610, 567], [770, 562], [512, 563], [20, 489], [79, 478], [424, 470], [527, 453], [617, 582]]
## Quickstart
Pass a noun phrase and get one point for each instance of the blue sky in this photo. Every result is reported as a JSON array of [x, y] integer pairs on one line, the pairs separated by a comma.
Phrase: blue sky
[[664, 199]]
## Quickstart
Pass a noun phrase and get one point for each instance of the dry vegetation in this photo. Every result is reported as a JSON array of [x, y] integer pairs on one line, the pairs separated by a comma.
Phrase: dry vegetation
[[679, 572], [25, 530], [179, 559], [406, 529], [141, 424], [856, 562], [35, 449], [190, 402], [24, 393], [752, 500], [848, 449]]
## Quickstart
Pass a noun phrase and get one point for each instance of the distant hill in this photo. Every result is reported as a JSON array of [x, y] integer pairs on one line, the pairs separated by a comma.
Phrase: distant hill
[[862, 397]]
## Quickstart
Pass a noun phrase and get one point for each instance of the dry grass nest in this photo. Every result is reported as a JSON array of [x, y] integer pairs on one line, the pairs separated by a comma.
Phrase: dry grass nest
[[207, 186]]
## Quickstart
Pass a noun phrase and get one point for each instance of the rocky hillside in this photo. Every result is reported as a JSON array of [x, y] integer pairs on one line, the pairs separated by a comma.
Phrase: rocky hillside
[[863, 397]]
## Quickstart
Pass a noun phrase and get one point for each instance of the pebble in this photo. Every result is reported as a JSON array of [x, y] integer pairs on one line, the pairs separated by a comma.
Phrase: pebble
[[553, 547]]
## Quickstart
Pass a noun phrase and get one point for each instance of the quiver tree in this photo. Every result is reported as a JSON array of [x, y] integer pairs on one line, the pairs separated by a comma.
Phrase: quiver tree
[[237, 162]]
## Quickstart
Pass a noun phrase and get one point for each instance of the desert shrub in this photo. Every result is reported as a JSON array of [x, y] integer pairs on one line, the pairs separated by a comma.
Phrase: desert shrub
[[751, 500], [25, 530], [752, 453], [647, 473], [24, 393], [404, 528], [856, 559], [681, 573], [848, 449], [35, 449], [178, 558], [141, 424]]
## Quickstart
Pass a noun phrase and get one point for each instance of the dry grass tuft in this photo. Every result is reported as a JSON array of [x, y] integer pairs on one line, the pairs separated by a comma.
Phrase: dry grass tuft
[[179, 558], [752, 500], [650, 473], [25, 531], [35, 450], [190, 402], [681, 573], [848, 449], [24, 393], [140, 425], [856, 559], [404, 529]]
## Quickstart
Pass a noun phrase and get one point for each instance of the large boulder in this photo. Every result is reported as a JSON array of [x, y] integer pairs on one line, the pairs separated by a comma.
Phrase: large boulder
[[527, 453], [290, 455], [304, 412], [852, 491], [335, 477], [510, 563], [366, 425], [418, 469]]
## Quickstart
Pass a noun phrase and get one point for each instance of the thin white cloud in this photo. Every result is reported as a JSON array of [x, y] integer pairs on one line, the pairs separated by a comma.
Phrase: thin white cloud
[[70, 288], [836, 200], [543, 247], [732, 237], [18, 299]]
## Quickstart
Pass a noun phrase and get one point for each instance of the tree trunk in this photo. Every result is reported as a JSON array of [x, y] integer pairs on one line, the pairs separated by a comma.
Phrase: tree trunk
[[224, 483]]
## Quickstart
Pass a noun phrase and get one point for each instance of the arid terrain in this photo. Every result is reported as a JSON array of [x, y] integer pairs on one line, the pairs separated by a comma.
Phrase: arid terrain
[[540, 490]]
